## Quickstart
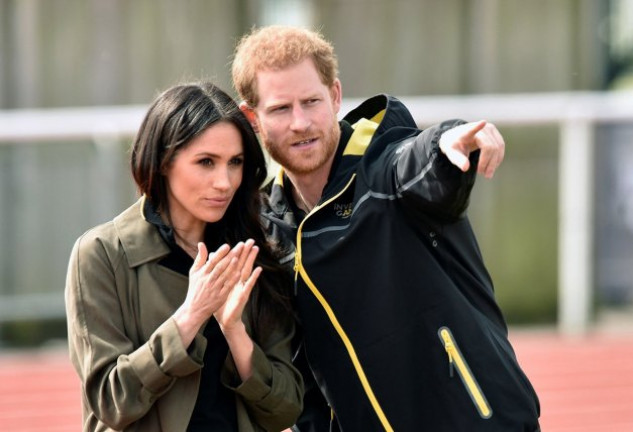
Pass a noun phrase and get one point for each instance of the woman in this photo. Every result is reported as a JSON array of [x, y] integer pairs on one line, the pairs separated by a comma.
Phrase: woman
[[155, 323]]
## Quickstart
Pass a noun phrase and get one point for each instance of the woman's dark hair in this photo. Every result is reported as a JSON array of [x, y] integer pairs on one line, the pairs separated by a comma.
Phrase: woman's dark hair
[[174, 119]]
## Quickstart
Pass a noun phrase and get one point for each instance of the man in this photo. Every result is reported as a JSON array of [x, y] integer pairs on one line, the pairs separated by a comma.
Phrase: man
[[401, 328]]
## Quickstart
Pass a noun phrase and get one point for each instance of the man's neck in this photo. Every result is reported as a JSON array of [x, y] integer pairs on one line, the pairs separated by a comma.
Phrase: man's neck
[[307, 189]]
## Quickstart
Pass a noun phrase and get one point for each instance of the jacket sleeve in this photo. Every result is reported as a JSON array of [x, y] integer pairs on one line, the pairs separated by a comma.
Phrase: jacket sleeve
[[120, 382], [427, 181], [273, 395]]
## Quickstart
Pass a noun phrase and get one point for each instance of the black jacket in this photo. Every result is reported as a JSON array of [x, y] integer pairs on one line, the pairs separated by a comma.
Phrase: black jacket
[[401, 328]]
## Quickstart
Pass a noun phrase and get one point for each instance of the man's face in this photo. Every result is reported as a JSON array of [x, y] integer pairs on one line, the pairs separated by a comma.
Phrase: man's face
[[296, 117]]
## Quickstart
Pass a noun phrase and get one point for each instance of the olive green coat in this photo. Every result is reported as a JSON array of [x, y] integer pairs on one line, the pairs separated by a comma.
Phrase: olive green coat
[[136, 374]]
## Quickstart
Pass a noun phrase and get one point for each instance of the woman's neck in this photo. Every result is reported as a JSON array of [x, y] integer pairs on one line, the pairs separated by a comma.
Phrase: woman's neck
[[187, 242], [188, 232]]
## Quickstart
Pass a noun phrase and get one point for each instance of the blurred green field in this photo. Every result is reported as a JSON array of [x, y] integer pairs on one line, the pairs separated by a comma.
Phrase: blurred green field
[[515, 217]]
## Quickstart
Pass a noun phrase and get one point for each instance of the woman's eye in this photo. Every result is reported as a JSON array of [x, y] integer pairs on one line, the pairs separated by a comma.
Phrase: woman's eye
[[206, 162], [237, 161]]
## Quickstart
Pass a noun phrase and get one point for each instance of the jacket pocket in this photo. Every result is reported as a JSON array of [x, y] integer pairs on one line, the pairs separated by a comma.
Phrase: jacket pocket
[[457, 361]]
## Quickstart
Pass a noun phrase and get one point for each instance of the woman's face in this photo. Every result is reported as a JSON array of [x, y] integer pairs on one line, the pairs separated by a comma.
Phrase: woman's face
[[204, 176]]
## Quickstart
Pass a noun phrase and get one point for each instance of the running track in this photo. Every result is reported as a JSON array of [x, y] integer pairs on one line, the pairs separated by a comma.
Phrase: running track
[[584, 384]]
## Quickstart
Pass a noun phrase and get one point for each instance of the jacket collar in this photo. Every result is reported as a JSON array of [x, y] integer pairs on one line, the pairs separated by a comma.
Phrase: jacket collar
[[140, 240], [387, 111]]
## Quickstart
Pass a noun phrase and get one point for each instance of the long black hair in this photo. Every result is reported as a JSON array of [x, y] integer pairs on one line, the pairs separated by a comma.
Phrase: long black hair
[[177, 116]]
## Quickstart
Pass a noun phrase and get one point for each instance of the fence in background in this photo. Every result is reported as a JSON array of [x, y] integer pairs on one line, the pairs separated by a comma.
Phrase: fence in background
[[576, 115]]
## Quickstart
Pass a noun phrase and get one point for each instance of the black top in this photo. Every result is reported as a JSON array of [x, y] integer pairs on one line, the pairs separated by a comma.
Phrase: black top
[[215, 405]]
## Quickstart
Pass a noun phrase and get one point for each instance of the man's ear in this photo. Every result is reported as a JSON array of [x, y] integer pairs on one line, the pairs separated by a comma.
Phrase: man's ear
[[336, 93], [250, 115]]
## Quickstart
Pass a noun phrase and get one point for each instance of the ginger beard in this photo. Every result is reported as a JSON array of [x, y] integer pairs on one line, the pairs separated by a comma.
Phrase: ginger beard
[[304, 154]]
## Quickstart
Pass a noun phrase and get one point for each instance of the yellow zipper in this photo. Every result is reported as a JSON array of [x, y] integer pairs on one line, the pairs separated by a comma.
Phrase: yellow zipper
[[300, 270], [457, 361]]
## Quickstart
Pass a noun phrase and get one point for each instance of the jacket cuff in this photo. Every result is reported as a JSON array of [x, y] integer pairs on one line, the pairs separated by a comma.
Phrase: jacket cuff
[[448, 168], [258, 386], [164, 357]]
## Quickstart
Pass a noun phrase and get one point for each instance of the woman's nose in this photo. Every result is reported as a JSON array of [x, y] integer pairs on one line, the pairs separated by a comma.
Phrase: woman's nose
[[222, 180]]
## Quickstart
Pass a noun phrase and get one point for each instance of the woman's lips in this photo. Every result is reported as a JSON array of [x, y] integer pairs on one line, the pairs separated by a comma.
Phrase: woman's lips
[[217, 202]]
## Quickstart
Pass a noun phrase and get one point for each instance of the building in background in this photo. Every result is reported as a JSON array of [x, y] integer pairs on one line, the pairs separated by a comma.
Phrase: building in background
[[79, 53]]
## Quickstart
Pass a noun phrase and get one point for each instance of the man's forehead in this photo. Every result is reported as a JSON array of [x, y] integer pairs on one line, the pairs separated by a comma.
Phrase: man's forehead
[[293, 82]]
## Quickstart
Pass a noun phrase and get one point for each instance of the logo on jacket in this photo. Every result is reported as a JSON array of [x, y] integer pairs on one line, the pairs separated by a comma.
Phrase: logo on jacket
[[343, 210]]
